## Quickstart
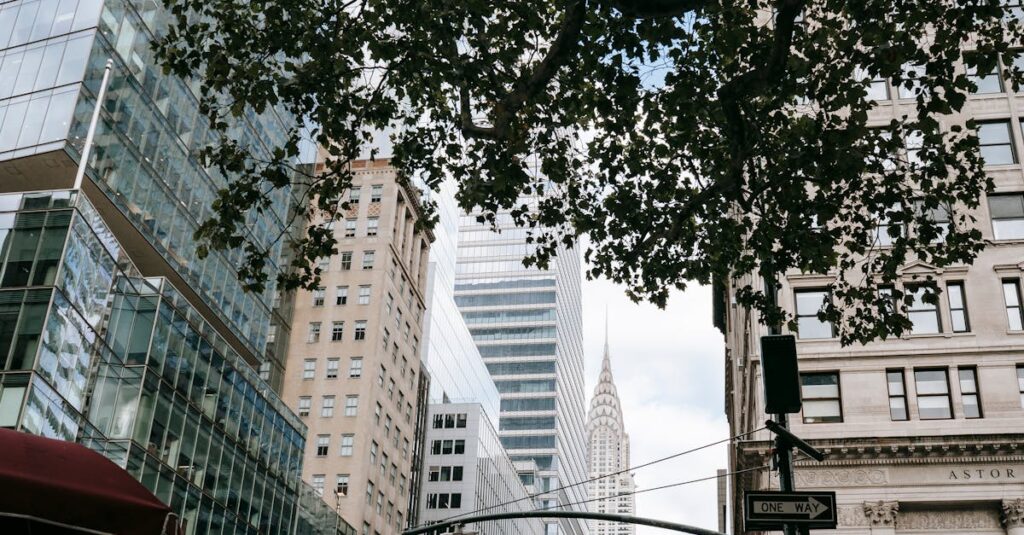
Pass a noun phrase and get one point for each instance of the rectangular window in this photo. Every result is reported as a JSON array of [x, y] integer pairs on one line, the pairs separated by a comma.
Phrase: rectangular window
[[327, 407], [368, 259], [957, 300], [821, 400], [460, 420], [322, 444], [376, 414], [986, 80], [381, 373], [933, 394], [317, 482], [876, 87], [355, 194], [383, 465], [350, 228], [332, 368], [438, 421], [309, 369], [373, 453], [1020, 383], [376, 191], [808, 304], [355, 367], [1014, 311], [337, 331], [969, 396], [341, 295], [351, 405], [924, 310], [346, 260], [341, 488], [996, 143], [364, 295], [369, 493], [314, 332], [372, 223], [1007, 212], [318, 297], [897, 395], [347, 443], [360, 333], [459, 447], [305, 403], [387, 425], [388, 302], [911, 85]]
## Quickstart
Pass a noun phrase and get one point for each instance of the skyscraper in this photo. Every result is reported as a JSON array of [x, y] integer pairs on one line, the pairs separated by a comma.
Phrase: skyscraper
[[113, 332], [609, 453], [527, 325]]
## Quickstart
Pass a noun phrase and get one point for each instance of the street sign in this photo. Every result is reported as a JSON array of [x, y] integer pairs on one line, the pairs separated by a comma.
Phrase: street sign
[[766, 510]]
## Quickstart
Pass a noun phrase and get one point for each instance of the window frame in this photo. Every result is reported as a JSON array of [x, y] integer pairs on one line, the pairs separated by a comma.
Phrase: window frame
[[902, 396], [961, 292], [948, 395], [1011, 143], [838, 398], [797, 315], [936, 308], [976, 393], [1014, 284], [1016, 218]]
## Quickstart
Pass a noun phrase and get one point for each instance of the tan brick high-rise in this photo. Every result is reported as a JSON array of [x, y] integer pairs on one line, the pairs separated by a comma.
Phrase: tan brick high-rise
[[353, 361]]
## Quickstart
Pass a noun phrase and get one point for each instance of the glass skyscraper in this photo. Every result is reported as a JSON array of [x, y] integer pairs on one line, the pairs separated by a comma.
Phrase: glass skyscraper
[[113, 332], [527, 325]]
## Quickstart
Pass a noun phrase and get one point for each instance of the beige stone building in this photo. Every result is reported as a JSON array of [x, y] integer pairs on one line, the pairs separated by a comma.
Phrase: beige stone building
[[923, 434], [353, 366]]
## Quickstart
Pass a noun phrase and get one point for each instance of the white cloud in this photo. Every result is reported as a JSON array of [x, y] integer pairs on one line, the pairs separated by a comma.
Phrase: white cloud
[[668, 368]]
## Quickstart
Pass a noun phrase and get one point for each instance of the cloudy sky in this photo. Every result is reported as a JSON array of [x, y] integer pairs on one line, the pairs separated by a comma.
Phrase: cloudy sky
[[668, 369]]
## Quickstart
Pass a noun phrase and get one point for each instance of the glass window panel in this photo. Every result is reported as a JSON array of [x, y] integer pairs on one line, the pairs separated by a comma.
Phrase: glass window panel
[[44, 19], [933, 407], [64, 17], [959, 320], [8, 14], [1011, 293], [29, 70], [898, 408], [33, 124], [996, 143], [58, 116], [821, 411], [87, 15], [23, 26], [11, 399], [49, 66], [1006, 206], [971, 408], [931, 382], [968, 383], [9, 72], [895, 383], [76, 55]]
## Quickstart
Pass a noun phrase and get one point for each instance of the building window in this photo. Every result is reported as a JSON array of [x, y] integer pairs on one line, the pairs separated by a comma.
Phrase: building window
[[314, 332], [391, 389], [381, 373], [372, 223], [460, 420], [933, 394], [351, 405], [969, 395], [808, 304], [376, 191], [364, 295], [924, 310], [876, 87], [318, 297], [323, 264], [327, 407], [360, 333], [957, 300], [309, 369], [305, 403], [337, 330], [897, 396], [996, 143], [1020, 383], [1007, 213], [1014, 311], [350, 228], [985, 80], [332, 368], [387, 425], [347, 443], [317, 482], [369, 493], [341, 488], [373, 453], [346, 260], [821, 401], [383, 465], [355, 194], [368, 259], [355, 367], [380, 501], [322, 444], [376, 414], [341, 295]]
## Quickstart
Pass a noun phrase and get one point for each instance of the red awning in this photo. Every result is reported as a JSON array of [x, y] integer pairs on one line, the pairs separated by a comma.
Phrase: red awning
[[67, 483]]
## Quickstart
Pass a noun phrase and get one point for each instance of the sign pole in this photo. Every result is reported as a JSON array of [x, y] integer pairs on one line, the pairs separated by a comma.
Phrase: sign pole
[[784, 459]]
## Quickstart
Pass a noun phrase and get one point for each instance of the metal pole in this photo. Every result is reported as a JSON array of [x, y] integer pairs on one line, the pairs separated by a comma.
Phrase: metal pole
[[548, 513], [84, 161], [784, 458]]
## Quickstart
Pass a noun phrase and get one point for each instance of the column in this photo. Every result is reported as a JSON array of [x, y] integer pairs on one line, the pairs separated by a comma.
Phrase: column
[[882, 516], [1013, 516]]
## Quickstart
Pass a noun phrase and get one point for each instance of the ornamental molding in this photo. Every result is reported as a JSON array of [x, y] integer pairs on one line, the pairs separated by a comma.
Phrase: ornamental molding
[[899, 451], [881, 513], [1013, 513], [955, 519], [1008, 269]]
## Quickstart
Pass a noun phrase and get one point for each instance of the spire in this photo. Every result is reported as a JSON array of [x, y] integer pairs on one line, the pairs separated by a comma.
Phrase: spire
[[606, 363], [604, 406]]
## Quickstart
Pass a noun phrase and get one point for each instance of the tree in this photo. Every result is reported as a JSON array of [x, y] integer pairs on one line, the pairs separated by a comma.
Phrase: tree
[[689, 139]]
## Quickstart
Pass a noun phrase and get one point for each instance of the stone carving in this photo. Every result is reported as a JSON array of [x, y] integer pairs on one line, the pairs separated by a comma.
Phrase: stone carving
[[949, 519], [841, 477], [1013, 513], [881, 513], [852, 516]]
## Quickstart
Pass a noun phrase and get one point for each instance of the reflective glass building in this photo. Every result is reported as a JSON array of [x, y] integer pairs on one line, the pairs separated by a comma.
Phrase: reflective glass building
[[527, 325], [113, 332]]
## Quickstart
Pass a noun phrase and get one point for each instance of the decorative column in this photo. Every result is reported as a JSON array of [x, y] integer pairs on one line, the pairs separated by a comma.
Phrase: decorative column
[[1013, 516], [882, 517]]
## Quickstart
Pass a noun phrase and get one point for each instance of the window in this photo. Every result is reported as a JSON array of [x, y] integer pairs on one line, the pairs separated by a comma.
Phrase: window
[[314, 332], [309, 368], [350, 227], [360, 330], [341, 295], [341, 488], [387, 425], [923, 310], [323, 264], [327, 407], [876, 87], [376, 414], [381, 373], [305, 403], [332, 368], [820, 394], [355, 367], [384, 465], [1014, 312], [322, 444], [808, 304], [376, 191], [369, 493], [380, 501], [351, 405], [459, 447], [986, 80], [373, 453], [368, 259], [318, 297], [317, 482], [933, 394], [1007, 213], [337, 330], [443, 500], [346, 260], [957, 300], [372, 223], [969, 396], [911, 85], [996, 143], [347, 443], [1020, 383], [897, 395], [355, 194], [438, 421], [364, 295], [388, 302], [264, 369], [391, 389]]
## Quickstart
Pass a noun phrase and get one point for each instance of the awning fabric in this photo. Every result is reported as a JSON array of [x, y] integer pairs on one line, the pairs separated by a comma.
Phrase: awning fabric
[[64, 482]]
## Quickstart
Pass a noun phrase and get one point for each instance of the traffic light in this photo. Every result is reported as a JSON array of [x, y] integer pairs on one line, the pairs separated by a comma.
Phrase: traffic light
[[780, 373]]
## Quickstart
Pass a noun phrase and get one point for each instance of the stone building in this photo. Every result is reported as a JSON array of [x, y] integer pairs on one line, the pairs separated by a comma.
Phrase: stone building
[[353, 369], [925, 433]]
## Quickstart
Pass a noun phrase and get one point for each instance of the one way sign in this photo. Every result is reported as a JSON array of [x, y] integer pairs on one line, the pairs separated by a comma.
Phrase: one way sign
[[771, 510]]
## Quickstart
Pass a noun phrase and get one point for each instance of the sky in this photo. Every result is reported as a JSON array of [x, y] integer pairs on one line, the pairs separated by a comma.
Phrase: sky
[[668, 368]]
